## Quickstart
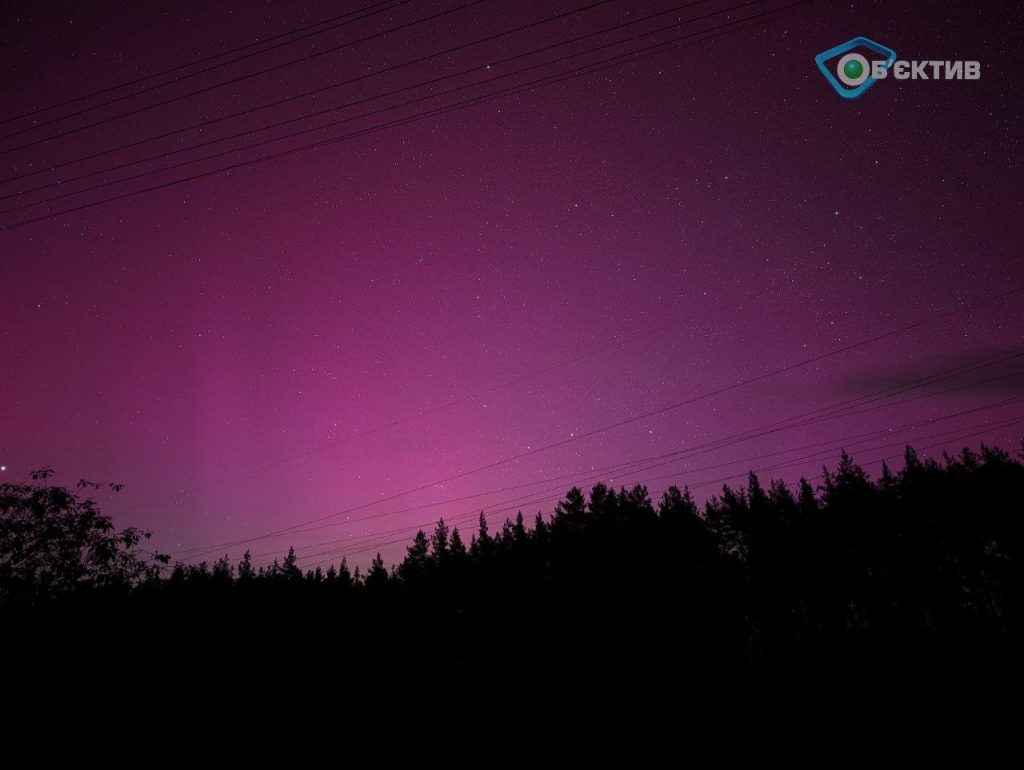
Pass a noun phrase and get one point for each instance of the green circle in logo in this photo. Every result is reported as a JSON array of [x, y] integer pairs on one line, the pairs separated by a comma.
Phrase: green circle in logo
[[853, 69]]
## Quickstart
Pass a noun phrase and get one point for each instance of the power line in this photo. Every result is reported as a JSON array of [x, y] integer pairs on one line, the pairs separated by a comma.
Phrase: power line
[[842, 444], [722, 390], [487, 66], [710, 394], [334, 554], [678, 455], [820, 414], [594, 477], [649, 463], [502, 93], [520, 501], [832, 445], [374, 542], [749, 435], [406, 419], [351, 81], [285, 100], [846, 408], [641, 464], [203, 60], [233, 81], [421, 413]]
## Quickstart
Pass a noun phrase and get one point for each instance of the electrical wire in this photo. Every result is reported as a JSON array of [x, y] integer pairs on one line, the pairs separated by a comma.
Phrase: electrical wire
[[196, 62], [709, 394], [233, 81], [486, 67], [503, 93]]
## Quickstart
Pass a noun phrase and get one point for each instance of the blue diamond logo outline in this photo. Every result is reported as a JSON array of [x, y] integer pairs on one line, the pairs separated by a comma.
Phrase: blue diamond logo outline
[[839, 50]]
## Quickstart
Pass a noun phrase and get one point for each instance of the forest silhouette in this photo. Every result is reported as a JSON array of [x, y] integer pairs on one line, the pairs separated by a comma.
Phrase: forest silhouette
[[862, 620]]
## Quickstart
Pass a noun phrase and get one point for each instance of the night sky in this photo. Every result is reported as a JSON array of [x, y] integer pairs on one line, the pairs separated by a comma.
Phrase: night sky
[[266, 347]]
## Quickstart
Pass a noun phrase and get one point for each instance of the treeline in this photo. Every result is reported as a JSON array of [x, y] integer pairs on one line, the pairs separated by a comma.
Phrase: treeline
[[770, 625], [933, 546]]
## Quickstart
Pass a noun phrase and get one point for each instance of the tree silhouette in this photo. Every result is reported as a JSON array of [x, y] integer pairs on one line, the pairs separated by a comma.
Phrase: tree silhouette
[[54, 542], [456, 547], [245, 568], [482, 544], [345, 578], [377, 575], [439, 542], [416, 560], [772, 625], [289, 568]]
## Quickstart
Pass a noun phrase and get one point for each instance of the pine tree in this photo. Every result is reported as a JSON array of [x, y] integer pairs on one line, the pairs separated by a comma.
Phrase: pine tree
[[911, 462], [416, 558], [638, 502], [290, 567], [540, 528], [781, 503], [569, 513], [756, 494], [345, 579], [456, 547], [676, 506], [572, 506], [886, 481], [439, 542], [519, 529], [223, 570], [245, 568], [377, 575], [848, 486], [808, 503], [603, 502], [482, 543]]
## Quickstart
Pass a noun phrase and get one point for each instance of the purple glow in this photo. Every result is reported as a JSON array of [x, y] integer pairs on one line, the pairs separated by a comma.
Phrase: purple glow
[[182, 339]]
